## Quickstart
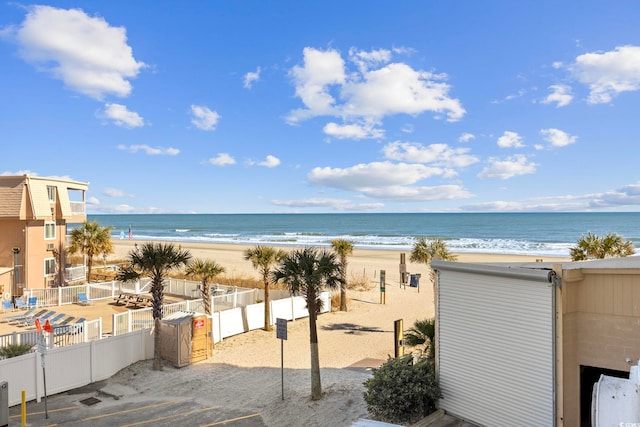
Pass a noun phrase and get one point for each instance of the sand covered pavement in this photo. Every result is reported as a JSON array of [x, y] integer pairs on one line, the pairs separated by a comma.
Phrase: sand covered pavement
[[245, 373]]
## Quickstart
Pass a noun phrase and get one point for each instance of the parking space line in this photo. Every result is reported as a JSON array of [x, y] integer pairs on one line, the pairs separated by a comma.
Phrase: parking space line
[[169, 417], [230, 420], [133, 409]]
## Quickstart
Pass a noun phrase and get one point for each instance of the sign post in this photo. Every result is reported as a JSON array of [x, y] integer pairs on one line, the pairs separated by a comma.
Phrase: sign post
[[383, 295], [42, 349], [281, 334]]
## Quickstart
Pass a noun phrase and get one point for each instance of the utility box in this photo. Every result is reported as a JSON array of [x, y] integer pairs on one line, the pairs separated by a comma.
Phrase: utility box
[[415, 281], [4, 403], [185, 338]]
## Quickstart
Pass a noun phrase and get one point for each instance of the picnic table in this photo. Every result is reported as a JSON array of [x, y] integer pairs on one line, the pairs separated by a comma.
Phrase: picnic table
[[136, 300]]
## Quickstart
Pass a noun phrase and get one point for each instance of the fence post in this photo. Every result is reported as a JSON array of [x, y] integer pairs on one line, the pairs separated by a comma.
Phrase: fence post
[[235, 296]]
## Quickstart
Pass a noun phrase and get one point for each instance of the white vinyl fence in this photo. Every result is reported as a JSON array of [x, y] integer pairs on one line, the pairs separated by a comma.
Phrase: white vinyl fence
[[73, 366]]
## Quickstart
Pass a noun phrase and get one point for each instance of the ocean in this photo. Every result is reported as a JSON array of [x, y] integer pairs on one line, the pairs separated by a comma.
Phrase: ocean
[[550, 234]]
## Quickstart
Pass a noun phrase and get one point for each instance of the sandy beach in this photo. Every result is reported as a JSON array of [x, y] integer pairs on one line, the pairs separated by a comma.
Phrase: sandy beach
[[245, 370]]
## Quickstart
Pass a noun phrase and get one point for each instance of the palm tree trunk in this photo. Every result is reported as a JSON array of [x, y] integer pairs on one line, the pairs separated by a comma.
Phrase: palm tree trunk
[[206, 298], [267, 306], [316, 386], [157, 354], [343, 297]]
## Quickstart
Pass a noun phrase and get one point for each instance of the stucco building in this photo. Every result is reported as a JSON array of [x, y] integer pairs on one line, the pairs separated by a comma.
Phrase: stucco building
[[34, 215]]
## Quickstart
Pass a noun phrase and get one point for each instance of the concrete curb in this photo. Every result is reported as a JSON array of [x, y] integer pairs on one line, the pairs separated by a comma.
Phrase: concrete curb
[[430, 419]]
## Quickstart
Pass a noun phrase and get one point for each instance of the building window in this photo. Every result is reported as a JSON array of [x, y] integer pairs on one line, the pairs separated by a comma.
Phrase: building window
[[49, 230], [49, 266], [51, 192]]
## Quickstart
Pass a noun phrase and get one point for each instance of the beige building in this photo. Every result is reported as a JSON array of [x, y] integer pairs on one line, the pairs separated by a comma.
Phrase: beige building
[[34, 215], [523, 344]]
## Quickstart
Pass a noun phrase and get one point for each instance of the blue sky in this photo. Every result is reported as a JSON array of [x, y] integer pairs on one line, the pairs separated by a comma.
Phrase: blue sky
[[331, 106]]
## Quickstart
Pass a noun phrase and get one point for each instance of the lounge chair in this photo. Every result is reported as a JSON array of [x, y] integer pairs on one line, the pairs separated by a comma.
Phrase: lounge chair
[[57, 318], [20, 304], [7, 306], [82, 299], [74, 328], [31, 320], [64, 322], [32, 302], [19, 317]]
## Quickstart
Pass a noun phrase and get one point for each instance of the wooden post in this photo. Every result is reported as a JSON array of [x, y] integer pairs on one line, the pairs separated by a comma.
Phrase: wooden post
[[399, 338], [383, 297]]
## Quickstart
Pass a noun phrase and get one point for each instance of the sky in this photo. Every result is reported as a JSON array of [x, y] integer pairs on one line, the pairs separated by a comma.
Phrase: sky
[[327, 106]]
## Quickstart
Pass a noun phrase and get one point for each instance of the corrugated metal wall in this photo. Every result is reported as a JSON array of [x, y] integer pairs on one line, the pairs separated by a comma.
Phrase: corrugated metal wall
[[495, 349]]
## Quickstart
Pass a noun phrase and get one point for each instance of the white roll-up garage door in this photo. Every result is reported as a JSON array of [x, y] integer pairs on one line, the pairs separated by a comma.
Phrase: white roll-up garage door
[[495, 347]]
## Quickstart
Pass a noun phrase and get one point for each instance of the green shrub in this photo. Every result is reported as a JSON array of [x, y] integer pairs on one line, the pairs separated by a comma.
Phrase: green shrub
[[401, 391], [14, 350]]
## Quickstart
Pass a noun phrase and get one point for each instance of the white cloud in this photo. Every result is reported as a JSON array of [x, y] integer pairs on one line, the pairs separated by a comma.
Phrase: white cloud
[[86, 53], [269, 162], [387, 180], [204, 118], [466, 137], [399, 89], [222, 159], [560, 94], [113, 192], [365, 60], [250, 77], [368, 94], [557, 138], [608, 74], [368, 175], [320, 70], [120, 116], [353, 131], [419, 194], [152, 151], [508, 168], [437, 154], [336, 204], [510, 140]]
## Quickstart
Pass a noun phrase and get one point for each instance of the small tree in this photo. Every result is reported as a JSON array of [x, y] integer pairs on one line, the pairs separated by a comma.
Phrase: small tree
[[156, 260], [592, 246], [422, 335], [15, 350], [206, 270], [401, 391], [263, 258], [91, 240], [308, 271], [424, 251], [343, 248]]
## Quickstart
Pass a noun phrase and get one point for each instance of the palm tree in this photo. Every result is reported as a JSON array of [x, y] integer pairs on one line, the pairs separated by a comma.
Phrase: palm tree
[[90, 239], [308, 271], [422, 334], [592, 246], [156, 260], [343, 248], [263, 258], [424, 251], [205, 270]]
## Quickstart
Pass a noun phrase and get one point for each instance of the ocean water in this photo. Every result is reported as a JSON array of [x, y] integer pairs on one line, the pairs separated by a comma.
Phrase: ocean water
[[550, 234]]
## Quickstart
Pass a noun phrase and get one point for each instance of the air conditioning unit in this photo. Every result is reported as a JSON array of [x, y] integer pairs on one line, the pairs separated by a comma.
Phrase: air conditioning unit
[[51, 283], [49, 246]]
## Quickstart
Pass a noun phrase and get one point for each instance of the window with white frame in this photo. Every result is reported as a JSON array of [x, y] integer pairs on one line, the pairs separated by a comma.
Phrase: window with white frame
[[49, 230], [49, 266], [51, 193]]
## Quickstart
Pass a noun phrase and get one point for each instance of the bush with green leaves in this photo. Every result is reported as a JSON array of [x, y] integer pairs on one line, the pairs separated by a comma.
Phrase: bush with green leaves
[[14, 350], [402, 390]]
